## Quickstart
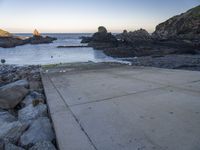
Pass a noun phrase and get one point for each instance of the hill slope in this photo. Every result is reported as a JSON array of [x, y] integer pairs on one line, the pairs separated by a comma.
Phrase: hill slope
[[185, 25]]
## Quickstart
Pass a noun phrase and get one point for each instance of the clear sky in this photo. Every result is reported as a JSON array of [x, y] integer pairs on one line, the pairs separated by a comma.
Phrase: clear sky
[[87, 15]]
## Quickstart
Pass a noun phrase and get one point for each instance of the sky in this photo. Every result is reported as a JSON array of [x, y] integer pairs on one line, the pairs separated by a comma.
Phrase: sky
[[75, 16]]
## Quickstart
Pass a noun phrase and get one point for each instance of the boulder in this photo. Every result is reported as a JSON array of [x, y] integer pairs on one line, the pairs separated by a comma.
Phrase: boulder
[[12, 131], [102, 39], [40, 130], [102, 29], [43, 145], [30, 113], [33, 98], [10, 146], [5, 116], [11, 94]]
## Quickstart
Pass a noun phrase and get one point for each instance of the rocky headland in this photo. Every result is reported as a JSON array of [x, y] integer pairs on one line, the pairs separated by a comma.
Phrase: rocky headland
[[8, 40], [178, 35], [24, 119]]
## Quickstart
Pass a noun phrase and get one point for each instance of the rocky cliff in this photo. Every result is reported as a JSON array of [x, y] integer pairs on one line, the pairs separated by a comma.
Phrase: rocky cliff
[[183, 26]]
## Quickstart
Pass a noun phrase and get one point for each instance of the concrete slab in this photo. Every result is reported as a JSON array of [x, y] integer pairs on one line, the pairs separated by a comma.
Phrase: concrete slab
[[155, 120], [95, 86], [124, 108], [69, 133]]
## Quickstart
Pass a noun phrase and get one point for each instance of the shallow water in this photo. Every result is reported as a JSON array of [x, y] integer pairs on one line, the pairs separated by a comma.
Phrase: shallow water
[[50, 54]]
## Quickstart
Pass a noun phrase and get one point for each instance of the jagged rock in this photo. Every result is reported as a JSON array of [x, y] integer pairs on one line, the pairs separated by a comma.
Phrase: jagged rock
[[33, 97], [30, 113], [10, 146], [41, 40], [40, 130], [36, 33], [135, 36], [5, 33], [184, 26], [11, 94], [12, 130], [44, 145], [6, 117]]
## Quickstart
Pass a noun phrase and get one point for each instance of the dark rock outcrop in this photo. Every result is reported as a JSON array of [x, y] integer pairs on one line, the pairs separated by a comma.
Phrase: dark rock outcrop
[[101, 39], [41, 40], [7, 40], [135, 37], [183, 26]]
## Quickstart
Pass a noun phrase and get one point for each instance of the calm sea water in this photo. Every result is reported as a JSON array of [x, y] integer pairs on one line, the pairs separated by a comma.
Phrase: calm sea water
[[50, 54]]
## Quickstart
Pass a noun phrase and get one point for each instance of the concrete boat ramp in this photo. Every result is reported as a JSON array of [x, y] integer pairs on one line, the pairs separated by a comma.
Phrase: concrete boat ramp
[[117, 107]]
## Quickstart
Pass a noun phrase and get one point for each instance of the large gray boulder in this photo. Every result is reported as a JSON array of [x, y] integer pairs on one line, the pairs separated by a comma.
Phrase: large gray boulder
[[13, 93], [10, 146], [43, 145], [12, 131], [5, 116], [30, 113], [40, 130]]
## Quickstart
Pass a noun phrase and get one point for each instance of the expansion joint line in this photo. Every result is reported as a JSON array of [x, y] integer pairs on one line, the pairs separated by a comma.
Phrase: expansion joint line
[[77, 120]]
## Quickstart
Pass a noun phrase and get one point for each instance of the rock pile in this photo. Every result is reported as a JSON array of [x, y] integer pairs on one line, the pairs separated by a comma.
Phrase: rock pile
[[24, 121]]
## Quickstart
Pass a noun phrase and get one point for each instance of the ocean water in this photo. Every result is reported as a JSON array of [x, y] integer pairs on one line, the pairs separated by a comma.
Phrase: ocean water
[[50, 54]]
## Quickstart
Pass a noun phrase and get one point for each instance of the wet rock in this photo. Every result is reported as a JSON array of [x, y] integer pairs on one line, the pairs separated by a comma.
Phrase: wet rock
[[10, 146], [40, 130], [12, 131], [30, 113], [6, 117], [11, 94], [44, 145]]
